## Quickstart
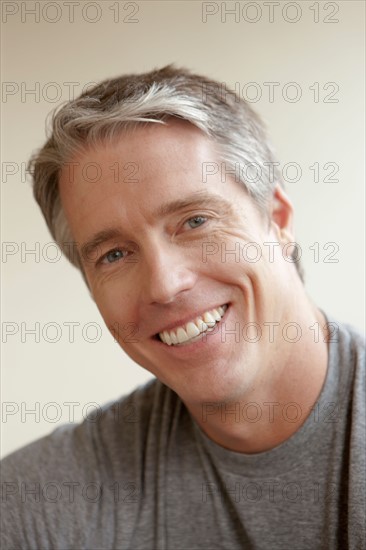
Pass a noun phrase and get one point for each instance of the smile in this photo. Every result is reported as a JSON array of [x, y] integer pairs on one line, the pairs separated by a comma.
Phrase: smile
[[201, 324]]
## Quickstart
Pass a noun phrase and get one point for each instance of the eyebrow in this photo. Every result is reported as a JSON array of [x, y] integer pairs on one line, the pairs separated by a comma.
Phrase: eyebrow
[[197, 199]]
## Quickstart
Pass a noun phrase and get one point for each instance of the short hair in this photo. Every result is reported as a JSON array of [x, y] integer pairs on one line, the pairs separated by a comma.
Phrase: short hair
[[101, 113]]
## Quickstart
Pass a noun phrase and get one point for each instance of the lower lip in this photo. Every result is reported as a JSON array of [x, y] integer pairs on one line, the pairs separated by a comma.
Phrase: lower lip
[[204, 342]]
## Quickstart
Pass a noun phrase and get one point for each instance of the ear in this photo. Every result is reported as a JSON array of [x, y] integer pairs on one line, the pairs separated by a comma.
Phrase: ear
[[282, 214]]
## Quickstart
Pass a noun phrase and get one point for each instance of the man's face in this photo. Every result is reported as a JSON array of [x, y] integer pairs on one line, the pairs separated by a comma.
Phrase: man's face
[[171, 245]]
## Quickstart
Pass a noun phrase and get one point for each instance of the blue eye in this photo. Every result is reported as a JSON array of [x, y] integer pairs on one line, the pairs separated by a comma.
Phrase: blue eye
[[198, 220], [113, 256]]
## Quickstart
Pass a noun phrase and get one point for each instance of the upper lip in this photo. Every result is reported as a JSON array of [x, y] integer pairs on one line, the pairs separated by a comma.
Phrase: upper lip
[[189, 317]]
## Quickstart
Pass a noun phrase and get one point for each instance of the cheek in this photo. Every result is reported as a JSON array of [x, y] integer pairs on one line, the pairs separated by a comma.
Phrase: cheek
[[120, 321], [115, 307], [231, 254]]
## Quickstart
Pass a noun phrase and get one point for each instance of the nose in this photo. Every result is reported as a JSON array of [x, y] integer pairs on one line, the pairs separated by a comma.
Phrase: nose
[[167, 272]]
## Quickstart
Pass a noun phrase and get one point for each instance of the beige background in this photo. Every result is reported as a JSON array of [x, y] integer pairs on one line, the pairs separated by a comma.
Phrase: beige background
[[44, 376]]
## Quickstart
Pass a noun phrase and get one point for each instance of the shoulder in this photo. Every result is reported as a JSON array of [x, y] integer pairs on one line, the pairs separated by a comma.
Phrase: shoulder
[[353, 335], [347, 351], [347, 356], [348, 341], [60, 474], [69, 443], [351, 352]]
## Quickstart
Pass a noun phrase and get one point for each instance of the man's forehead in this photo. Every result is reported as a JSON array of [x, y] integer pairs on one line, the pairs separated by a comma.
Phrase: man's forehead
[[178, 138], [137, 182]]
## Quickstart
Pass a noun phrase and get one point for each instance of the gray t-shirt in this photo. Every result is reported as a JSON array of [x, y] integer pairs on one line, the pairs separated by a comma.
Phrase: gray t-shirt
[[141, 474]]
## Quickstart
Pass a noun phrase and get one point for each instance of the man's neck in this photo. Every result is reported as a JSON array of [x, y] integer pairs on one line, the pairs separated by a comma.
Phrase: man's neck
[[266, 417]]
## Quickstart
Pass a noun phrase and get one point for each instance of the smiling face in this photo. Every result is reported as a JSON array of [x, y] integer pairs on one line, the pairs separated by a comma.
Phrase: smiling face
[[159, 244]]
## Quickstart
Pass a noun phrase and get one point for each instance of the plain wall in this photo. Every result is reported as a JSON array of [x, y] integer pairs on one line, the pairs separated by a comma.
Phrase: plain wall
[[322, 62]]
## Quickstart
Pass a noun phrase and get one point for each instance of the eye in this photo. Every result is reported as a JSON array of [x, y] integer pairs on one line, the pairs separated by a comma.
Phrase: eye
[[112, 256], [196, 221]]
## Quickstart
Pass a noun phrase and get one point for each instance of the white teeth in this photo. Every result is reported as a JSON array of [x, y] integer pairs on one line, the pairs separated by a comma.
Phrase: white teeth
[[216, 314], [182, 335], [174, 338], [201, 324], [206, 323], [209, 319], [192, 330]]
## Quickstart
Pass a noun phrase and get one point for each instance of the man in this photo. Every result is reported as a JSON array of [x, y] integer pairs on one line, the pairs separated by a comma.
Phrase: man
[[252, 433]]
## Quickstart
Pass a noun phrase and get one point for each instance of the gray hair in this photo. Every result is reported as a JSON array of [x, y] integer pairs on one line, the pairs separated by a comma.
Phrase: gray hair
[[101, 113]]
